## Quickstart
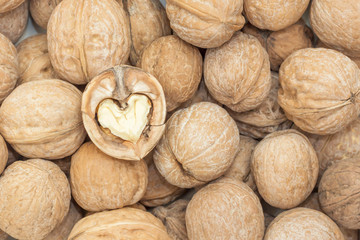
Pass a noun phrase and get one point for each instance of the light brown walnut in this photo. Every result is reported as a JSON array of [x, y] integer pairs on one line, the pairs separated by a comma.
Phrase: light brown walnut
[[41, 10], [205, 24], [225, 209], [245, 83], [94, 37], [34, 198], [320, 90], [8, 5], [199, 145], [261, 132], [201, 95]]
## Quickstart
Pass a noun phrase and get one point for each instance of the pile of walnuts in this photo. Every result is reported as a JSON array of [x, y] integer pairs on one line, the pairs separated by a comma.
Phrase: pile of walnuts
[[221, 119]]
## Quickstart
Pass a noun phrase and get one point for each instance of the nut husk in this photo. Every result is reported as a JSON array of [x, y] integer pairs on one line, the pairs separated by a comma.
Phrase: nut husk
[[41, 10]]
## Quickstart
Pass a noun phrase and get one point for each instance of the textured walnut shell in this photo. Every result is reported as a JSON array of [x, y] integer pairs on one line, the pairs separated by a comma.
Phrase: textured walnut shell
[[285, 168], [177, 65], [245, 83], [39, 123], [274, 15], [100, 182], [95, 37], [125, 223], [339, 193], [319, 90], [261, 132], [4, 154], [41, 10], [13, 23], [148, 21], [199, 145], [62, 231], [118, 83], [8, 5], [303, 223], [225, 209], [201, 95], [173, 217], [34, 61], [34, 198], [205, 24]]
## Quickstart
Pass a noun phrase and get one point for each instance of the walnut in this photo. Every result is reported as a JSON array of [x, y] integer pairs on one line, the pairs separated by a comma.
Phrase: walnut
[[303, 223], [199, 145], [274, 15], [100, 182], [132, 112], [177, 65], [34, 197], [285, 168], [201, 95], [339, 193], [319, 90], [261, 132], [4, 154], [41, 10], [94, 37], [246, 84], [225, 209], [129, 223], [8, 5], [39, 123], [205, 24]]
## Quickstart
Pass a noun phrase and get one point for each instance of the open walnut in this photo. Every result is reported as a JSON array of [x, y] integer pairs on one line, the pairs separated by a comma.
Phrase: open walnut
[[124, 112], [94, 37], [8, 5], [41, 10]]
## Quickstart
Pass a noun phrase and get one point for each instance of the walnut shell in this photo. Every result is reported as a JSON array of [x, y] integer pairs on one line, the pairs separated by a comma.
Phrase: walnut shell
[[201, 95], [285, 168], [199, 145], [173, 217], [319, 90], [41, 10], [34, 198], [177, 65], [339, 193], [39, 123], [205, 24], [95, 37], [125, 223], [34, 60], [13, 23], [8, 5], [261, 132], [303, 223], [100, 182], [225, 209], [4, 154], [274, 15], [148, 21], [119, 83], [244, 85]]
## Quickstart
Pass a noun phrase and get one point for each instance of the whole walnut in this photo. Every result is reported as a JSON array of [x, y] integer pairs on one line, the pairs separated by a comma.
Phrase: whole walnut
[[199, 145], [39, 123], [303, 223], [148, 21], [225, 209], [319, 90], [339, 193], [34, 60], [94, 37], [205, 24], [13, 23], [34, 198], [177, 65], [100, 182], [285, 168], [245, 83], [8, 5], [274, 15], [41, 10], [125, 223]]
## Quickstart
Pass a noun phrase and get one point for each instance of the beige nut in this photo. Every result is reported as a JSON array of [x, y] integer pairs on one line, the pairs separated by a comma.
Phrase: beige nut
[[225, 209], [125, 223], [285, 168], [177, 65], [261, 132], [4, 154], [41, 10], [201, 95], [205, 24], [245, 81], [303, 223], [94, 37], [120, 84], [34, 198], [42, 119], [274, 15], [8, 5], [100, 182], [319, 90], [199, 145]]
